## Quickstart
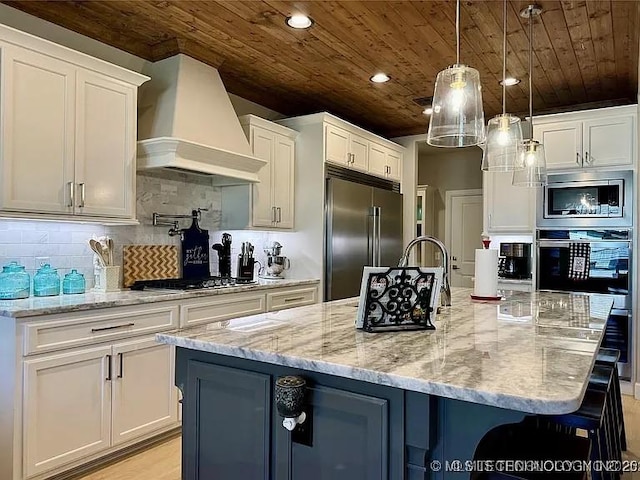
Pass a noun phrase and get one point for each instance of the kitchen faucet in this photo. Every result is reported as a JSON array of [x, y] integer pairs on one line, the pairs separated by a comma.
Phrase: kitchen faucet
[[445, 299]]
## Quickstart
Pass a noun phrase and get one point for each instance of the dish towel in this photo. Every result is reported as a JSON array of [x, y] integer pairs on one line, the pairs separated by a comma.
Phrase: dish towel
[[579, 254]]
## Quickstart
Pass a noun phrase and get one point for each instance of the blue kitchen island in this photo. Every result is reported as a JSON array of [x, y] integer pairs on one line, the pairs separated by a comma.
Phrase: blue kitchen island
[[392, 405]]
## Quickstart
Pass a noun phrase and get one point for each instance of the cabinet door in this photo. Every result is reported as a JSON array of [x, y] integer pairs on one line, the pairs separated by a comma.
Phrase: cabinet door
[[509, 208], [394, 161], [226, 424], [359, 148], [144, 396], [337, 145], [608, 141], [67, 410], [37, 131], [350, 438], [283, 181], [377, 160], [562, 143], [105, 146], [263, 212]]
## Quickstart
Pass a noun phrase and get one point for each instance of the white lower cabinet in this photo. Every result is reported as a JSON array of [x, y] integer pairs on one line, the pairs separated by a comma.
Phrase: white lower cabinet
[[144, 396], [82, 402], [67, 408]]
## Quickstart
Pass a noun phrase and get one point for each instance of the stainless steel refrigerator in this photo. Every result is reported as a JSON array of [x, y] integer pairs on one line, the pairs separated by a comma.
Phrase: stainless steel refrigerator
[[363, 228]]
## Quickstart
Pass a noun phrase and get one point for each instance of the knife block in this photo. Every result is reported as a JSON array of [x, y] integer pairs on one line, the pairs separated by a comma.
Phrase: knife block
[[245, 272]]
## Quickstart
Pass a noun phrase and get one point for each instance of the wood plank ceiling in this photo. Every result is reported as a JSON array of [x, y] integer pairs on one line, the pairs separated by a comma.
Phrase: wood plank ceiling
[[585, 51]]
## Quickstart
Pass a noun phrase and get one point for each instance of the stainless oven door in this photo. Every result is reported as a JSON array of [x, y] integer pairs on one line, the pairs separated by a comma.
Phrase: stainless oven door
[[607, 271]]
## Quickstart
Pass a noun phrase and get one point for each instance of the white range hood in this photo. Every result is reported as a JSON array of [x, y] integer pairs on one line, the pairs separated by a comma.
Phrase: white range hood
[[187, 123]]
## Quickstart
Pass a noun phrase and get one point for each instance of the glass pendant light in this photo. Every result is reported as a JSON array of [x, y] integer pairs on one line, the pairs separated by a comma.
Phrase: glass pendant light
[[457, 119], [504, 132], [530, 157]]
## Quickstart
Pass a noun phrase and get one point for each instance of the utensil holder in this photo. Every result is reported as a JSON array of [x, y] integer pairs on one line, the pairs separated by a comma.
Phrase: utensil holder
[[108, 279]]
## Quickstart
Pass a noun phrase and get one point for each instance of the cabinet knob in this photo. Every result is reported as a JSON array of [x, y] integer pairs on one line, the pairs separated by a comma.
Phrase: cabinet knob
[[289, 396]]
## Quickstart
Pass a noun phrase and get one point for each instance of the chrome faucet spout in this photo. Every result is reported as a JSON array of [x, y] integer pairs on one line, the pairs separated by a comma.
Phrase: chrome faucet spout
[[445, 294]]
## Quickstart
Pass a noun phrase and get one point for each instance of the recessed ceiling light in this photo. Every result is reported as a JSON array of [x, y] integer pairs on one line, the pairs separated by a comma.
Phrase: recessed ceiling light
[[510, 81], [299, 21], [428, 111], [380, 78]]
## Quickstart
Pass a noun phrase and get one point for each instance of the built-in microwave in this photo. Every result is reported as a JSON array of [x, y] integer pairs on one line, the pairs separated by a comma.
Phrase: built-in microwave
[[586, 199]]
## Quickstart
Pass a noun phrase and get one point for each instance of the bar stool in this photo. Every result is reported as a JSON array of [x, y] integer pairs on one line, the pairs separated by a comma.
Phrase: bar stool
[[515, 442], [609, 356]]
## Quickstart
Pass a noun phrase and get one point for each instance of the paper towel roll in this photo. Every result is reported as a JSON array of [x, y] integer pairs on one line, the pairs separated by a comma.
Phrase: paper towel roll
[[486, 279]]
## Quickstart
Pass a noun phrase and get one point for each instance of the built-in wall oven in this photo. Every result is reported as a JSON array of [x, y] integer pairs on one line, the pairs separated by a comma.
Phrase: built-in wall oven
[[592, 261]]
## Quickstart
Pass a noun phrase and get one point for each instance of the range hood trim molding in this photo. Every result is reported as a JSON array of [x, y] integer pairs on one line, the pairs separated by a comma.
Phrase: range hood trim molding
[[176, 153]]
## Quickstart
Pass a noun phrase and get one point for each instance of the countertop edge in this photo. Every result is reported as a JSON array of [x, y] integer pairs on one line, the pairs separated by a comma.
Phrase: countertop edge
[[160, 296], [510, 402]]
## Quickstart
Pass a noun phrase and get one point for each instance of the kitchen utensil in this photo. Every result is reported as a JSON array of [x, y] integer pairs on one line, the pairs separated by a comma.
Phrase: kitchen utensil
[[224, 255], [97, 248], [195, 250], [110, 250], [149, 262]]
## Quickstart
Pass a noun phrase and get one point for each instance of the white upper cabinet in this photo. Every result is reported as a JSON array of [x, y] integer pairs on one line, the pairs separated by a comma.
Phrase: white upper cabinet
[[68, 132], [508, 209], [346, 148], [270, 202], [589, 139]]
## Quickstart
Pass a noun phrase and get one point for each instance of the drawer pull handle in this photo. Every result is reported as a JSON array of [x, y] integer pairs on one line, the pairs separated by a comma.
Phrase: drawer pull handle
[[295, 299], [102, 329]]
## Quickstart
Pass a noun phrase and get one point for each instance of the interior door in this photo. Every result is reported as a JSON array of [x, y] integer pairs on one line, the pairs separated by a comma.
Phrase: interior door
[[347, 246], [466, 232], [391, 247]]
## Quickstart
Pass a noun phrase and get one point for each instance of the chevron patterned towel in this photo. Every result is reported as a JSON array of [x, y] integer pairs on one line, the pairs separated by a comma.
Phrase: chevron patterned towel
[[579, 254]]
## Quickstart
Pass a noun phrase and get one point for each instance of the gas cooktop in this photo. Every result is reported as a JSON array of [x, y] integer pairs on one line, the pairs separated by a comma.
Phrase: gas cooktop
[[189, 283]]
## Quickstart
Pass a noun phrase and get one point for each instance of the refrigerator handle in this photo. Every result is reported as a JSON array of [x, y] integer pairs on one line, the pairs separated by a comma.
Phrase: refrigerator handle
[[375, 214]]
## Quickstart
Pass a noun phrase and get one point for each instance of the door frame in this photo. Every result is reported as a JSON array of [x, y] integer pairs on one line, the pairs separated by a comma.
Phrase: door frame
[[449, 195]]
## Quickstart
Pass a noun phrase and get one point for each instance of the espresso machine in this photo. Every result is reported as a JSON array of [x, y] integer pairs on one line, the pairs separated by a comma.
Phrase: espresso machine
[[514, 261], [275, 264]]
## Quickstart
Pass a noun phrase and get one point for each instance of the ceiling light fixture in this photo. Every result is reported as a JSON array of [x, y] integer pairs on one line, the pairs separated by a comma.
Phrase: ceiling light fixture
[[299, 21], [428, 111], [380, 78], [509, 81], [504, 132], [458, 118], [531, 158]]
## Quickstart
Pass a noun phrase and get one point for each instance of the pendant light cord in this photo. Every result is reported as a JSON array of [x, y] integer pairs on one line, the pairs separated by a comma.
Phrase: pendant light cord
[[504, 58], [531, 71], [458, 33]]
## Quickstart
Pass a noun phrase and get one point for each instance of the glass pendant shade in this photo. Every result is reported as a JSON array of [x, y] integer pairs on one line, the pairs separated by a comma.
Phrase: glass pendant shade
[[504, 134], [532, 165], [457, 119]]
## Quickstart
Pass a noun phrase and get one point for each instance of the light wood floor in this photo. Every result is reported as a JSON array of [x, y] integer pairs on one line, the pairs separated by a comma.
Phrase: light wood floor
[[162, 462]]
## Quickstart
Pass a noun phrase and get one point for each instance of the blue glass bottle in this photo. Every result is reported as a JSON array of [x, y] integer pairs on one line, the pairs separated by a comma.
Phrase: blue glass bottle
[[14, 282], [46, 282], [73, 283]]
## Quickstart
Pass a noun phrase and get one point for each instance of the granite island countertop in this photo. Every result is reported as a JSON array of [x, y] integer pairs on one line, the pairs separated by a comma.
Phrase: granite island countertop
[[531, 352], [35, 306]]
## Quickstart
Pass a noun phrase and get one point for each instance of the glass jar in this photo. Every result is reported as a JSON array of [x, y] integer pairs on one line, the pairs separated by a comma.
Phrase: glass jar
[[73, 283], [46, 282], [14, 282]]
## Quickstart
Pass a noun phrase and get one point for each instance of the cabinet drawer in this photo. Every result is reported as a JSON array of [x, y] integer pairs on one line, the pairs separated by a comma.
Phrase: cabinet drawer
[[291, 298], [81, 329], [221, 307]]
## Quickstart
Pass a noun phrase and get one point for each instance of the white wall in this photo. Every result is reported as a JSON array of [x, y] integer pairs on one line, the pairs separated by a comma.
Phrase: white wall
[[448, 169]]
